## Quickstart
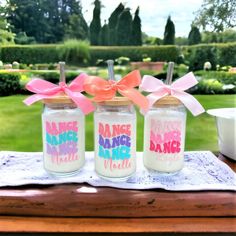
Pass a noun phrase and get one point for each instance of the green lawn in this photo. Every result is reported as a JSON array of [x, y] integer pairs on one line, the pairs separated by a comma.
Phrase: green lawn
[[20, 126]]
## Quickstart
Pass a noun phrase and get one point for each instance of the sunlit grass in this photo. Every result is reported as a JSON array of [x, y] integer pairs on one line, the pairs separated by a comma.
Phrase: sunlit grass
[[20, 126]]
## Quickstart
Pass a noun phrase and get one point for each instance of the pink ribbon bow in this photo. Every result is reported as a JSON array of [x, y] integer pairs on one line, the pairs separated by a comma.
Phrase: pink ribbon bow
[[45, 89], [159, 90]]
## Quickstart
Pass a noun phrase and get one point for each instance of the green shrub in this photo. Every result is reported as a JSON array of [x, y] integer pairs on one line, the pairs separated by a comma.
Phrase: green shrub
[[214, 82], [53, 76], [22, 38], [210, 86], [52, 66], [223, 68], [15, 65], [9, 83], [74, 52], [163, 75], [221, 76], [198, 55], [122, 60]]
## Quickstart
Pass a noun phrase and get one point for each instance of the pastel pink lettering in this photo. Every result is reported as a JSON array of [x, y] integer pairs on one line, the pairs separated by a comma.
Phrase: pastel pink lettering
[[113, 165], [54, 128]]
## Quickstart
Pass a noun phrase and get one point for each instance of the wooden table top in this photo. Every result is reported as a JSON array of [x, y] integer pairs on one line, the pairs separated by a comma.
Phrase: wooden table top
[[83, 208]]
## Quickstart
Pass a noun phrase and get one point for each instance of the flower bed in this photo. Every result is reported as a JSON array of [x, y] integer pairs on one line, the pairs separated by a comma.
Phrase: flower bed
[[155, 66]]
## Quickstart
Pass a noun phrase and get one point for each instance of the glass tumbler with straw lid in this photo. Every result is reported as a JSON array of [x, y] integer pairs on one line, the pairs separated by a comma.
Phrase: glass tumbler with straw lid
[[115, 123], [164, 133], [63, 125], [115, 136], [62, 122]]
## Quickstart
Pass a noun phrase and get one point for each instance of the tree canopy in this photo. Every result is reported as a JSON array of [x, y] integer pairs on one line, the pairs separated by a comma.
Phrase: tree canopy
[[6, 36], [47, 21], [216, 15]]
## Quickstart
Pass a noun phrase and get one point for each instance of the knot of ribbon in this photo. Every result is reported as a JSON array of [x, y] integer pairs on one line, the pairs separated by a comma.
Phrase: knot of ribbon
[[104, 90], [159, 90], [44, 89]]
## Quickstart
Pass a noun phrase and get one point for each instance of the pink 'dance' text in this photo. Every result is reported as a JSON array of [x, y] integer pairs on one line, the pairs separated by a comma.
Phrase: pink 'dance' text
[[165, 136]]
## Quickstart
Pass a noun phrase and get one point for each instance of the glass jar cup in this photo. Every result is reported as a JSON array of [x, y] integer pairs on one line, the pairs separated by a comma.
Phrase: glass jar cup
[[115, 139], [164, 136], [63, 136]]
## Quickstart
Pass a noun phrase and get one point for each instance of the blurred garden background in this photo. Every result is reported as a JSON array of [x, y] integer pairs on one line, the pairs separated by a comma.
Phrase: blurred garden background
[[36, 34]]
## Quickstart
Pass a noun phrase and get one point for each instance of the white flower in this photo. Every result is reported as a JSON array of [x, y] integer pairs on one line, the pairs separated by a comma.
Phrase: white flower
[[207, 65], [228, 86]]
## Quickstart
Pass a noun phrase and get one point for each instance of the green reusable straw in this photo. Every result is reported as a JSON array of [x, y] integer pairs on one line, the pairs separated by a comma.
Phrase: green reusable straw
[[110, 65], [62, 71], [170, 72]]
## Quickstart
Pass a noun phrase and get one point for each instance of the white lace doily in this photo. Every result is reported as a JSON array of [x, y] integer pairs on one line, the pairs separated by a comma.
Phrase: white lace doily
[[202, 171]]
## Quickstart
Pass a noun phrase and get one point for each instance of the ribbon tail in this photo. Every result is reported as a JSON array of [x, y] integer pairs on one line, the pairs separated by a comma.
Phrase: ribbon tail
[[190, 102], [81, 101], [35, 98], [185, 82], [135, 96]]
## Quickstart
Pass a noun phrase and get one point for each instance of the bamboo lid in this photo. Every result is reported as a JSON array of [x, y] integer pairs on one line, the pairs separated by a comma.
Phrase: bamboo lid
[[61, 98], [167, 100], [116, 101]]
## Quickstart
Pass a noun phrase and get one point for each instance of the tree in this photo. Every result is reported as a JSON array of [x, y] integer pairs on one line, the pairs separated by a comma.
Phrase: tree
[[169, 34], [194, 36], [124, 27], [22, 38], [136, 36], [6, 36], [77, 28], [217, 15], [23, 16], [104, 35], [72, 18], [112, 23], [45, 20], [226, 36], [95, 25]]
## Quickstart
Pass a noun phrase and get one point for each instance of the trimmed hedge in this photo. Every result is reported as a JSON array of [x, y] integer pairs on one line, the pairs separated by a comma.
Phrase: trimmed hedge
[[33, 54], [218, 53], [29, 54], [195, 56], [226, 54], [156, 53], [9, 84]]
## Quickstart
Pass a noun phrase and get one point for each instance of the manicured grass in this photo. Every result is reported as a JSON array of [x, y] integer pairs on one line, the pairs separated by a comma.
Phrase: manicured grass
[[20, 126]]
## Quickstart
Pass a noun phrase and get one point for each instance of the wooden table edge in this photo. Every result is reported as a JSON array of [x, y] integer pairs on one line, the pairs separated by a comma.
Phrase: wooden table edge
[[117, 225]]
